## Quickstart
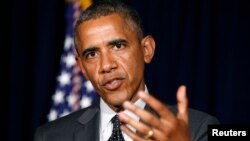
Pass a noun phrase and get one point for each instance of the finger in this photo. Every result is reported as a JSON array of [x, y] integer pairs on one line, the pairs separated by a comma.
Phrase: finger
[[182, 103], [141, 129], [157, 106], [144, 115], [131, 134]]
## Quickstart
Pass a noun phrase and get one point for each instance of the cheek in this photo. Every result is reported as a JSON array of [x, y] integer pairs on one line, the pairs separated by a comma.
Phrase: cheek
[[92, 73], [132, 64]]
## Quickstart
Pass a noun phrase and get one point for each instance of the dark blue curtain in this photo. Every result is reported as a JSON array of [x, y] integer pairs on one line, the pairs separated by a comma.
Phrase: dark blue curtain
[[204, 44], [35, 38]]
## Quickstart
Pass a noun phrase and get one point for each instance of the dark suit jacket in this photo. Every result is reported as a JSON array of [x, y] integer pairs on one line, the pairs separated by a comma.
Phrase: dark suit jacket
[[83, 125]]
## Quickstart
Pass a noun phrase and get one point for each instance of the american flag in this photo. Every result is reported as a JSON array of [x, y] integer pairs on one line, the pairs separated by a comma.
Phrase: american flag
[[72, 92]]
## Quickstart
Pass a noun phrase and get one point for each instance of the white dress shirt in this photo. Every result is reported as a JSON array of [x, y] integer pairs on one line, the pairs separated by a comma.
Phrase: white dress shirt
[[107, 114]]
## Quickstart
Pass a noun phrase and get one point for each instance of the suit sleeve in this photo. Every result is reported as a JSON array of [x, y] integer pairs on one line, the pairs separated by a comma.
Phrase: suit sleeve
[[202, 132], [38, 135]]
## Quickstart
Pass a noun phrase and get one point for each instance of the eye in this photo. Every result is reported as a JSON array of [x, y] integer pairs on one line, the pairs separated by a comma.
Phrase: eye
[[118, 45], [90, 54]]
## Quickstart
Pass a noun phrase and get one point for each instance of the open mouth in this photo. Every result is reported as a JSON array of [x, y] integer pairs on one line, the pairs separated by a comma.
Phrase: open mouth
[[112, 84]]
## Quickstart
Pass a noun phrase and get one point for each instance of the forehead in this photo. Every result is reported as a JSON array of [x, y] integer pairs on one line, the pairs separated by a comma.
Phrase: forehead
[[113, 21], [109, 26]]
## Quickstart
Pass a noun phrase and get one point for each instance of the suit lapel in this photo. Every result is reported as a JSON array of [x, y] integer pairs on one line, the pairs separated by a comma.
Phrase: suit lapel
[[90, 119], [89, 131]]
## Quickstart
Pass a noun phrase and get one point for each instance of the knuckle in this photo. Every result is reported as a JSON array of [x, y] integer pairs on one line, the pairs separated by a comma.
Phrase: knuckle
[[144, 130]]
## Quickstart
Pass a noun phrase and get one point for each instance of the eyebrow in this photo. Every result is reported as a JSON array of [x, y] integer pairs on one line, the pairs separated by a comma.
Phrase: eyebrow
[[110, 43], [116, 41], [90, 49]]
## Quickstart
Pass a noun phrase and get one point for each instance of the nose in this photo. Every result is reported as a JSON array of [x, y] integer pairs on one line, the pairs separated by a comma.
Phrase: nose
[[107, 63]]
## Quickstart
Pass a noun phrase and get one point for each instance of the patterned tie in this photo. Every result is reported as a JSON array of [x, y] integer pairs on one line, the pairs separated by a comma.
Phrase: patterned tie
[[116, 133]]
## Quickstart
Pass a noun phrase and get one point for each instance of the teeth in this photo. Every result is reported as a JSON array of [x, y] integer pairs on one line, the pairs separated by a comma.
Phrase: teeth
[[113, 84], [113, 81]]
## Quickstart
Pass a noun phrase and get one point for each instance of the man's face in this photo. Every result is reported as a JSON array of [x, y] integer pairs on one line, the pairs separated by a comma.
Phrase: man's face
[[112, 57]]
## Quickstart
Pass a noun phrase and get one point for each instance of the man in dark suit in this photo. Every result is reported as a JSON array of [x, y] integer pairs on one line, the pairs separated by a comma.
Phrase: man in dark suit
[[111, 52]]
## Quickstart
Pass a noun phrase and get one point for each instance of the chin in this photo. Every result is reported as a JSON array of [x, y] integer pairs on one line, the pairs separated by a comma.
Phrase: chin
[[116, 99], [117, 102], [115, 105]]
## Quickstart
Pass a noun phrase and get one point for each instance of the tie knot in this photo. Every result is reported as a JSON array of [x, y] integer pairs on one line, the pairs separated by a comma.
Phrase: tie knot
[[116, 121]]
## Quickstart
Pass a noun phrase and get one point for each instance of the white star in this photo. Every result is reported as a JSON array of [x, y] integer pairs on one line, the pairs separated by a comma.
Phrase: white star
[[58, 97], [65, 112], [68, 42], [85, 101], [72, 98], [69, 60], [89, 87], [64, 78], [52, 115]]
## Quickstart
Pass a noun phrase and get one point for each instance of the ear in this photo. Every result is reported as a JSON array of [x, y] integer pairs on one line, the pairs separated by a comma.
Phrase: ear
[[148, 46], [79, 63]]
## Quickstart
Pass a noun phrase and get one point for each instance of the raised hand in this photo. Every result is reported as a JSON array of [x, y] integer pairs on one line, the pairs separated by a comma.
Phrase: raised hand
[[166, 127]]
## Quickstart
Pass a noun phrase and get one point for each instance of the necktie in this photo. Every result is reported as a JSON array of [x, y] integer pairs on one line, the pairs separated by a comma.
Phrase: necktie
[[116, 132]]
